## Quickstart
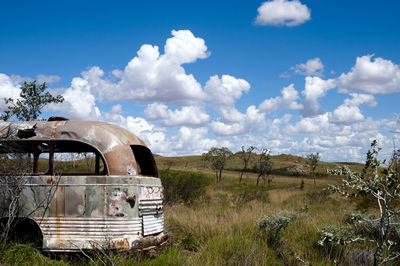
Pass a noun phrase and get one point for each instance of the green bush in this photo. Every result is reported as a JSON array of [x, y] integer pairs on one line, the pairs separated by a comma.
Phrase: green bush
[[274, 225], [345, 245], [335, 236], [183, 186]]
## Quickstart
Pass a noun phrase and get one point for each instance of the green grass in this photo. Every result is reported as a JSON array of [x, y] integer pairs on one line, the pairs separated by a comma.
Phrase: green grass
[[25, 254]]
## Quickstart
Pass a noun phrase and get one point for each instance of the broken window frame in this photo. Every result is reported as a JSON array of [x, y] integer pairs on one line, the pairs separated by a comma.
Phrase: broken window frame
[[17, 146], [145, 163]]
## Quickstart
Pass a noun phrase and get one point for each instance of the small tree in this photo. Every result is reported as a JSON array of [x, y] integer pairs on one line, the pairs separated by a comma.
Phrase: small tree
[[217, 157], [245, 155], [312, 162], [32, 100], [27, 108], [384, 186], [264, 166]]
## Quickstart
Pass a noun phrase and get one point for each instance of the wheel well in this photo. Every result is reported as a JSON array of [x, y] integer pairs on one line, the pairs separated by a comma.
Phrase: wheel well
[[23, 230]]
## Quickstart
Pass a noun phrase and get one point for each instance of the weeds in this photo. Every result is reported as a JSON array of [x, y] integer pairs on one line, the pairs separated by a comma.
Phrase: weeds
[[244, 193]]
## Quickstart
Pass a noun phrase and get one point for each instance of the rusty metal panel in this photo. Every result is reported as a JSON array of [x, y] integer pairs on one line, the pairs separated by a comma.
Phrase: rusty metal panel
[[152, 214], [81, 216], [153, 223], [83, 233], [150, 206]]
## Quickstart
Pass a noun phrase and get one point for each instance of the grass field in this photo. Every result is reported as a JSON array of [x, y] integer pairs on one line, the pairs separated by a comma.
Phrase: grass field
[[220, 227]]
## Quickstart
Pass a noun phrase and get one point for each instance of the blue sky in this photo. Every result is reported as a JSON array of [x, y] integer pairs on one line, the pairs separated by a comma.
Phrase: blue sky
[[292, 76]]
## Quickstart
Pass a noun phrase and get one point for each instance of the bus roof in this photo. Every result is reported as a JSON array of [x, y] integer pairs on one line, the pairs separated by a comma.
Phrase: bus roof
[[103, 136]]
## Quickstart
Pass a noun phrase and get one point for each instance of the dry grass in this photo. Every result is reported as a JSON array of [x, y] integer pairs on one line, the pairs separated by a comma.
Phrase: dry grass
[[207, 226]]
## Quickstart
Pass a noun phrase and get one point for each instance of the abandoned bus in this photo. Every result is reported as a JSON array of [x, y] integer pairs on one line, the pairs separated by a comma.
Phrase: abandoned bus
[[80, 185]]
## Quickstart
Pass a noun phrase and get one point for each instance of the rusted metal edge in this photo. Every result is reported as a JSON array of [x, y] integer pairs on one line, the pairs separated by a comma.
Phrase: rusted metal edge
[[146, 243], [149, 242], [96, 185]]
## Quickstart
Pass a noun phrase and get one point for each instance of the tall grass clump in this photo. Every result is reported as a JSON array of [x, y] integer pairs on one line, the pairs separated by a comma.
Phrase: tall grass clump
[[235, 250], [243, 193]]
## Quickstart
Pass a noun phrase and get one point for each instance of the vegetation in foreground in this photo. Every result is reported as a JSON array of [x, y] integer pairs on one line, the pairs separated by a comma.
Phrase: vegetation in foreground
[[280, 222]]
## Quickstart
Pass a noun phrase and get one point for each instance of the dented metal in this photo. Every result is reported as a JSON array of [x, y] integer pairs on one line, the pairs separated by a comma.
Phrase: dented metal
[[118, 207]]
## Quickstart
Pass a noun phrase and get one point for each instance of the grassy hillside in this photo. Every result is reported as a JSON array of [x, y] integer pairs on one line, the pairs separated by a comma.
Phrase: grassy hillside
[[283, 164]]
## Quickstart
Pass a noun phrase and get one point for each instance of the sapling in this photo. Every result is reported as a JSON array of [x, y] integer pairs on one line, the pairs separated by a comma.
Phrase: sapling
[[384, 185]]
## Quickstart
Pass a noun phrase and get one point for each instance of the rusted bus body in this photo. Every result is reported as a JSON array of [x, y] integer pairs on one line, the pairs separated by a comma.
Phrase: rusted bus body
[[117, 204]]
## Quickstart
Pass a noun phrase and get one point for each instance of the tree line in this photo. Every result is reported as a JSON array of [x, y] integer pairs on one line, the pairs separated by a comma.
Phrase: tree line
[[260, 158]]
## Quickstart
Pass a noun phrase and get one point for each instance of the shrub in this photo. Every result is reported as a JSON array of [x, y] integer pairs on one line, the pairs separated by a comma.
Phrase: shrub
[[384, 186], [335, 240], [273, 225], [183, 186], [368, 225], [335, 236]]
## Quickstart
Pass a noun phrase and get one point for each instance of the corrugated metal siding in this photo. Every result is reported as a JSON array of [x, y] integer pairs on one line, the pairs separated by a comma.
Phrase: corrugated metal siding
[[153, 223], [82, 231], [151, 211]]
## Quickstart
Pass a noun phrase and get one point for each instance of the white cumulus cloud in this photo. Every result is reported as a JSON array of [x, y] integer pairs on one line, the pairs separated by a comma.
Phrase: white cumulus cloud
[[360, 98], [313, 67], [188, 115], [288, 100], [184, 47], [48, 78], [309, 125], [191, 141], [79, 102], [377, 76], [8, 89], [152, 76], [250, 122], [225, 90], [315, 88], [116, 109], [349, 112], [282, 13]]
